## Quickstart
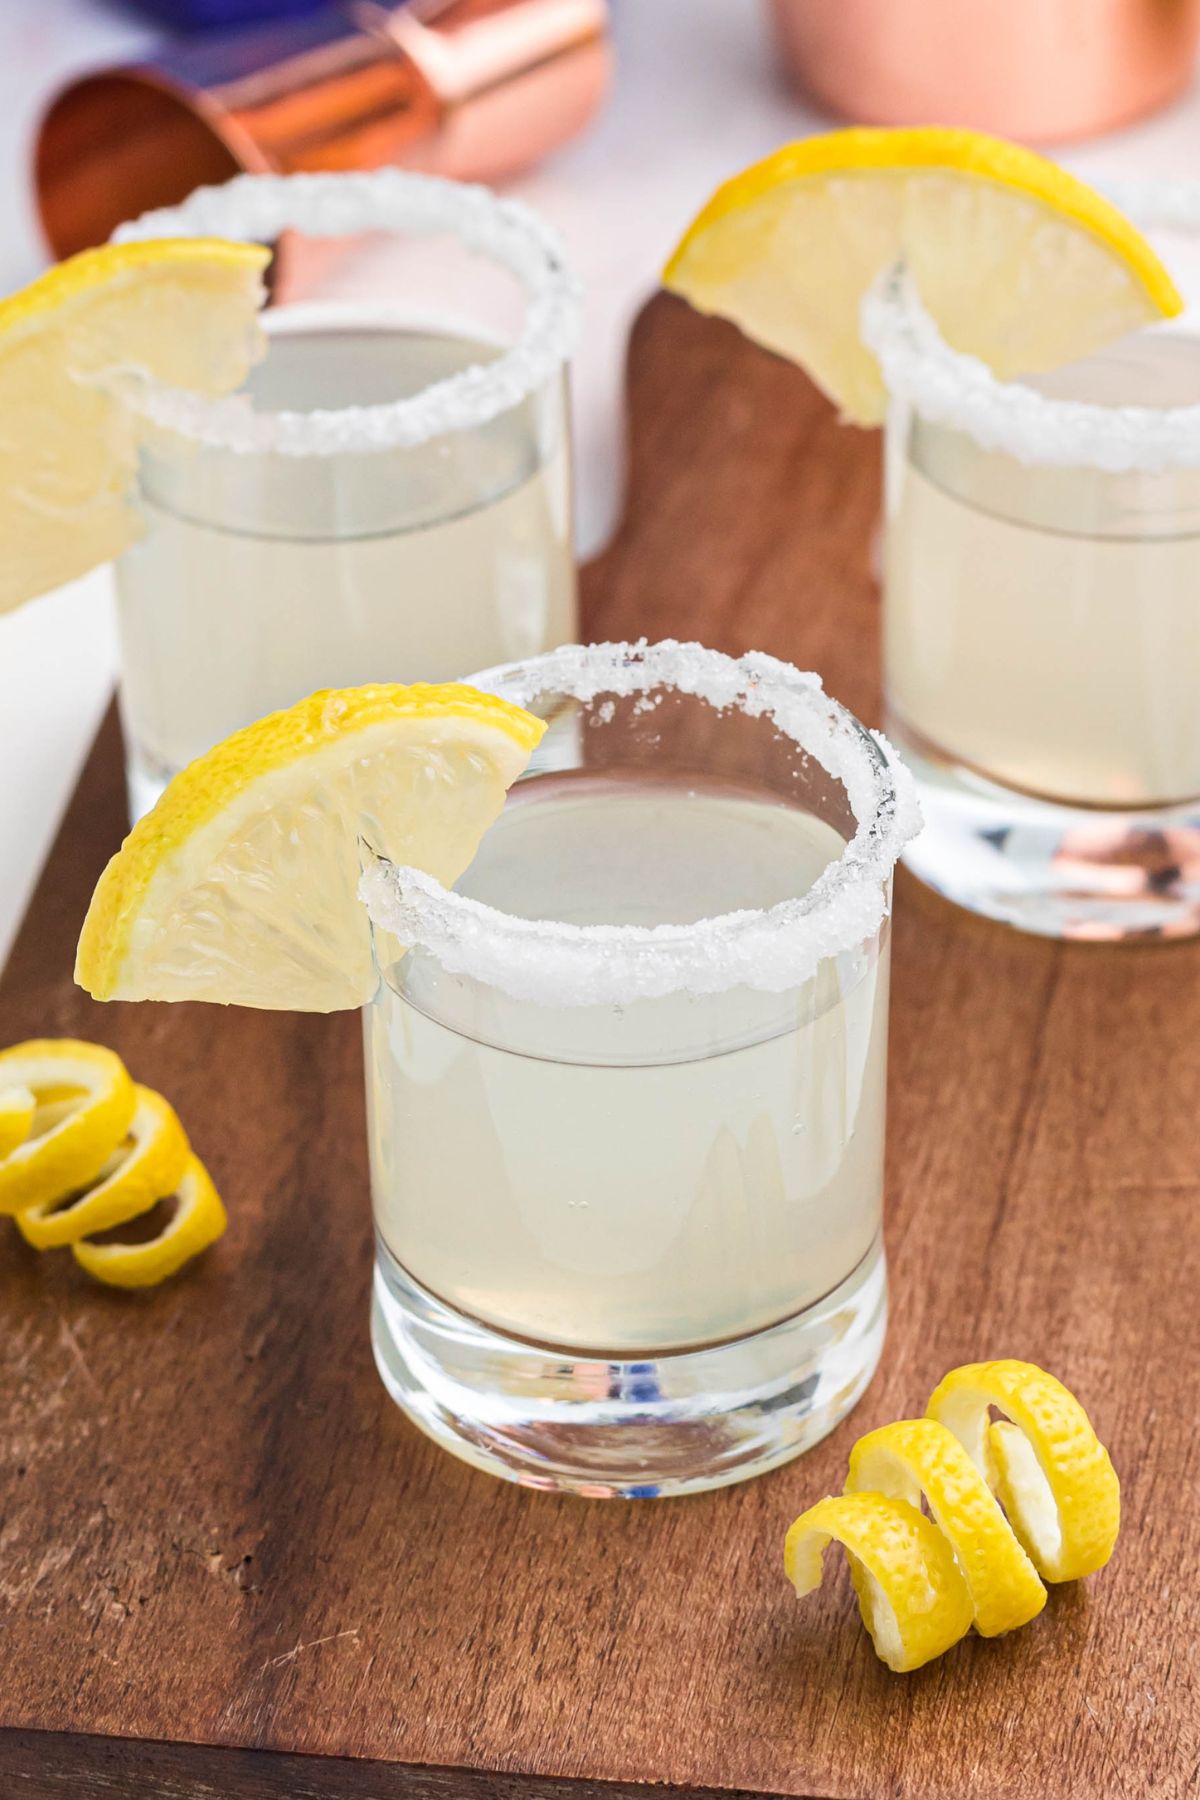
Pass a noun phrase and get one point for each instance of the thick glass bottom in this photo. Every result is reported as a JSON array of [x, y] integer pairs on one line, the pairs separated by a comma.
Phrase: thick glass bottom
[[1056, 870], [672, 1423]]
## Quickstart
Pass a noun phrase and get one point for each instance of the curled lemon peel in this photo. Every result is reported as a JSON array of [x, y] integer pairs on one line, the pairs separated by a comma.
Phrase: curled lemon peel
[[17, 1109], [1012, 1502], [919, 1459], [83, 1150], [913, 1599], [147, 1166], [198, 1221], [1050, 1471], [80, 1134]]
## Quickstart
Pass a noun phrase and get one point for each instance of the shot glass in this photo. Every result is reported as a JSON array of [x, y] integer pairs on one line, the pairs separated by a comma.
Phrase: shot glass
[[626, 1083], [390, 497], [1041, 638]]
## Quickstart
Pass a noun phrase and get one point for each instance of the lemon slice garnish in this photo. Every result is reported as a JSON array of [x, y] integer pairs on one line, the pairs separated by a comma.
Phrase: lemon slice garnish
[[241, 885], [1018, 262], [197, 1222], [911, 1593], [146, 1166], [18, 1106], [67, 1147], [1052, 1474], [181, 311], [918, 1458]]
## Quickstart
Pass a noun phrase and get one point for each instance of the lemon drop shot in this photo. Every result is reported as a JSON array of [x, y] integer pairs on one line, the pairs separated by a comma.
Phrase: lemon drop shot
[[388, 495], [626, 1084], [1040, 632], [1042, 462], [619, 920]]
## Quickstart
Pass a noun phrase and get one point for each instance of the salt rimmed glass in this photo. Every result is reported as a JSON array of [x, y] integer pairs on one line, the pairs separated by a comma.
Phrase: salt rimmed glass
[[389, 499], [626, 1085], [1040, 626]]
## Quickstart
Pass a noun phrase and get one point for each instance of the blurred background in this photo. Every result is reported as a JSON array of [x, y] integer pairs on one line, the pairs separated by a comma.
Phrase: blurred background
[[614, 119]]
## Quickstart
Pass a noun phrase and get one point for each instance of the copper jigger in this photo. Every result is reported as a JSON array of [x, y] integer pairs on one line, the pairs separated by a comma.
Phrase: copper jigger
[[1037, 69], [477, 89]]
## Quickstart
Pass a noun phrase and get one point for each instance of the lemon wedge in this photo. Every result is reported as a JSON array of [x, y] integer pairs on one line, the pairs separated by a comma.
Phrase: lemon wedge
[[1018, 262], [241, 885], [181, 311]]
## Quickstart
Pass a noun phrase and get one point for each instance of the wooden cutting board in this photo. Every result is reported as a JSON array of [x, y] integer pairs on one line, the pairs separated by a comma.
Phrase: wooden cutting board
[[230, 1568]]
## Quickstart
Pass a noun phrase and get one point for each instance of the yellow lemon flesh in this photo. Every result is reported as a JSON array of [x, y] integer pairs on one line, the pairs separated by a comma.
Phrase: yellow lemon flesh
[[180, 311], [241, 885], [1018, 262]]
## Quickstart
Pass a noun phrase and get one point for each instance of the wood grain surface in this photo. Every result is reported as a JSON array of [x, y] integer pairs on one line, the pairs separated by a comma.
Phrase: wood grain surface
[[221, 1544]]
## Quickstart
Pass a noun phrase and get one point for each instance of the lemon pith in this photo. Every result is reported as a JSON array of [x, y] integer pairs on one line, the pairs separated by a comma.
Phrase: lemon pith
[[922, 1582], [240, 885], [1019, 262]]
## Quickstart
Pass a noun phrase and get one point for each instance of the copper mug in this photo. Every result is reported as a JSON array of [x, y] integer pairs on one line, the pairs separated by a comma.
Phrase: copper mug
[[478, 89], [1036, 69]]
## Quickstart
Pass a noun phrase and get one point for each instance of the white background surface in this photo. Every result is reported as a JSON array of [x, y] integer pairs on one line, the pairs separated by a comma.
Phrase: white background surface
[[697, 96]]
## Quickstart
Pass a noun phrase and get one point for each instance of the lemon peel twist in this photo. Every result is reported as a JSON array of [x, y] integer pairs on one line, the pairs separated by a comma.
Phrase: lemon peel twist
[[83, 1151], [912, 1597], [81, 1132], [1052, 1474], [17, 1108], [1012, 1502], [199, 1221], [149, 1165]]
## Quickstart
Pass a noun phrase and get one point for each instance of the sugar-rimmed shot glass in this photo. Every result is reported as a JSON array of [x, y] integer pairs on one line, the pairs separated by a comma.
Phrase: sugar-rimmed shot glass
[[1041, 635], [389, 499], [626, 1085]]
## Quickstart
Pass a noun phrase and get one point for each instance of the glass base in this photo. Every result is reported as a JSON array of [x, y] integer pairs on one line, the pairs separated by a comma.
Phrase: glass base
[[1055, 870], [676, 1423], [145, 779]]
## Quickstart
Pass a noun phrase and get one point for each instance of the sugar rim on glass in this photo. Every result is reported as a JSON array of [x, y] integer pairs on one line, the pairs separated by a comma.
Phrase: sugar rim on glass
[[771, 949], [951, 388], [258, 208]]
